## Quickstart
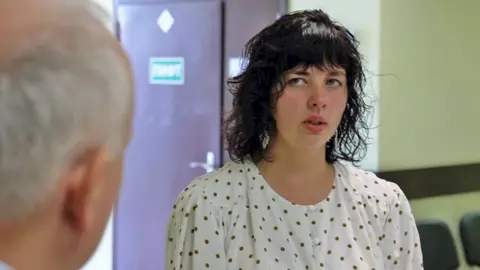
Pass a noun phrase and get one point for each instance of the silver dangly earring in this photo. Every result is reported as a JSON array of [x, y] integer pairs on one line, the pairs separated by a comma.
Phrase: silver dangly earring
[[336, 141], [265, 140]]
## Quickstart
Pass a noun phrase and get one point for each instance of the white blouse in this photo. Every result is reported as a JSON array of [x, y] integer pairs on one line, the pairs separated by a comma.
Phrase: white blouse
[[232, 219]]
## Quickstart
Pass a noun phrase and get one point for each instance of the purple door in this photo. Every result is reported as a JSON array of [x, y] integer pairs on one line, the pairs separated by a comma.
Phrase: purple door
[[175, 49], [243, 20]]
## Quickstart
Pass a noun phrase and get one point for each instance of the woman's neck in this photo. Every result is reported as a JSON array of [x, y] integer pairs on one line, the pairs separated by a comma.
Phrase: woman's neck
[[300, 176], [294, 164]]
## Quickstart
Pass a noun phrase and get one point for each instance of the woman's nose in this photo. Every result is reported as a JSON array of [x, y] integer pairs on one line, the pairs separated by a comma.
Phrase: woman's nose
[[317, 98]]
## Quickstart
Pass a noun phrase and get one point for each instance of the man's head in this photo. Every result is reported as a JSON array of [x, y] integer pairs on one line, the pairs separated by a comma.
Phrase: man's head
[[65, 110]]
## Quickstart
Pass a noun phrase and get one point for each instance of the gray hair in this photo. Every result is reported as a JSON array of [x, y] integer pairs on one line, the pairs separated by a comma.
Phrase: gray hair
[[63, 92]]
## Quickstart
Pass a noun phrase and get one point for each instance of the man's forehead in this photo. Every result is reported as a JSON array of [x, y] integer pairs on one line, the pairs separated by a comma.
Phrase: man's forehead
[[27, 8], [19, 17], [28, 22], [16, 29]]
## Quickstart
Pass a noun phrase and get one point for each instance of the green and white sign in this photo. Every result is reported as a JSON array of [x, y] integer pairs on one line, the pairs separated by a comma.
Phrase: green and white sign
[[167, 70]]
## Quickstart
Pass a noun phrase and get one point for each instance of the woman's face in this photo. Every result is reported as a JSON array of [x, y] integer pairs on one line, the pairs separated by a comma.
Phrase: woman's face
[[311, 106]]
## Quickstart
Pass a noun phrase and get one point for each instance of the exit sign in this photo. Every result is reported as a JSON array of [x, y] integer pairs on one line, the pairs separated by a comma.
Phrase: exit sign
[[167, 70]]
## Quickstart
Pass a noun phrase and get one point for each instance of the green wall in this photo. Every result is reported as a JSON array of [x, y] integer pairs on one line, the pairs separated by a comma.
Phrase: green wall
[[428, 110]]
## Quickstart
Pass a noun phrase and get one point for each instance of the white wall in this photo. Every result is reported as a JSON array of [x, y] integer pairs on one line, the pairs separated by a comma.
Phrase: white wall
[[107, 5], [363, 19], [102, 259]]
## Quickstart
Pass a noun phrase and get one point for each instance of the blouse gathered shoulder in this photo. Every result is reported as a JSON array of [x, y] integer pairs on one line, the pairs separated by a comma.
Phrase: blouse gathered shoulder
[[232, 219]]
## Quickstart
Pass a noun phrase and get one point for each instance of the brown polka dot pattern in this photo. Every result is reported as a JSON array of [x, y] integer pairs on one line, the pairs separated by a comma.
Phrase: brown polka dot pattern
[[231, 219]]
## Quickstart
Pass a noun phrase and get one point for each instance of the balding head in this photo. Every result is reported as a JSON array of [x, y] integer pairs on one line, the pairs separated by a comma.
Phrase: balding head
[[65, 110], [24, 21], [66, 95]]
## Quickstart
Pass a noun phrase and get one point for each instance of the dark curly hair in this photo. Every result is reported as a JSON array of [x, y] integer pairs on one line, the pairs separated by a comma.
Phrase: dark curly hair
[[305, 39]]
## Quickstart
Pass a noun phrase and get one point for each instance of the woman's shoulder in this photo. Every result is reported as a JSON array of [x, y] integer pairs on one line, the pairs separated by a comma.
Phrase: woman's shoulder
[[368, 183], [222, 187]]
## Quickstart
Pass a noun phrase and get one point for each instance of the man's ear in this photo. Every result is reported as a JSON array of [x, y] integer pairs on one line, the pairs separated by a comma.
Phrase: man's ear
[[82, 181]]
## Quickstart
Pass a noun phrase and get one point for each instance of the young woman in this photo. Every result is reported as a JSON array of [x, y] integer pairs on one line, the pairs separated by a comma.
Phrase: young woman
[[286, 201]]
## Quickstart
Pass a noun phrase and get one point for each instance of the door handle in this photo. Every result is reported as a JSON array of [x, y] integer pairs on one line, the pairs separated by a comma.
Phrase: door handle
[[208, 165]]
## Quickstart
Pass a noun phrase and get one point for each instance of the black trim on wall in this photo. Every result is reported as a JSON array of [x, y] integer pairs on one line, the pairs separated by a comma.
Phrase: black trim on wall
[[438, 181]]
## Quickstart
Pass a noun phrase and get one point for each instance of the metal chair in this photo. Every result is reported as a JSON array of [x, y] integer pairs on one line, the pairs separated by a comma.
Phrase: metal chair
[[438, 247], [470, 236]]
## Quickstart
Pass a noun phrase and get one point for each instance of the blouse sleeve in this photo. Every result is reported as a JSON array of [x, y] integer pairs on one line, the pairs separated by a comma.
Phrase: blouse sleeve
[[194, 239], [401, 242]]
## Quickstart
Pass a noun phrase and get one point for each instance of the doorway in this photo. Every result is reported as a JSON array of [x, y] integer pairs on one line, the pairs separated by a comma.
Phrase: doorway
[[179, 51]]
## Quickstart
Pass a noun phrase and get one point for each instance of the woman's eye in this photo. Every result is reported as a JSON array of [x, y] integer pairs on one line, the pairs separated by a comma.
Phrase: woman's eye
[[297, 81], [334, 82]]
